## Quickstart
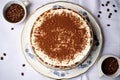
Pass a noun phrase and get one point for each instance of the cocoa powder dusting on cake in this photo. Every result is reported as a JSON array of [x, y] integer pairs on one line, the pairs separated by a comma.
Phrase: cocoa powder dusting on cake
[[61, 37]]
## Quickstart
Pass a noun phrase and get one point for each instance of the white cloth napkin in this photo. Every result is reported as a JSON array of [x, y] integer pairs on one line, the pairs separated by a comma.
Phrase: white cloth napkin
[[111, 39]]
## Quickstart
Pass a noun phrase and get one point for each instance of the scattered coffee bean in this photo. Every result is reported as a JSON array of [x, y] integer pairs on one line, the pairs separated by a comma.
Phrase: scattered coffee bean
[[102, 4], [12, 28], [109, 16], [98, 16], [110, 13], [100, 12], [114, 5], [108, 10], [108, 2], [4, 54], [115, 10], [22, 74], [23, 65], [108, 24], [1, 58]]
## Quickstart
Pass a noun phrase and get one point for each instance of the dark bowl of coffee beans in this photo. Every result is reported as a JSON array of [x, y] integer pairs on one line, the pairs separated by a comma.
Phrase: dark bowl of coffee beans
[[109, 66], [14, 12]]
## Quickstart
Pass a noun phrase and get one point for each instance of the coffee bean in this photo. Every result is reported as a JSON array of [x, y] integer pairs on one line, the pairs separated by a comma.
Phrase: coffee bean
[[12, 28], [114, 5], [110, 13], [23, 65], [108, 10], [102, 4], [108, 2], [115, 10], [108, 24], [1, 58], [100, 12], [98, 16], [22, 74], [4, 54], [109, 16]]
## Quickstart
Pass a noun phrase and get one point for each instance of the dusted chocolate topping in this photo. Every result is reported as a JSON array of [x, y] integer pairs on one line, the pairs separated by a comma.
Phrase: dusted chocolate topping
[[59, 37]]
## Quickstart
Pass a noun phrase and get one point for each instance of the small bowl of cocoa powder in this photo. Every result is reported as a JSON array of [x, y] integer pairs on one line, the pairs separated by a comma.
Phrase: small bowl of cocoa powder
[[14, 12], [109, 66]]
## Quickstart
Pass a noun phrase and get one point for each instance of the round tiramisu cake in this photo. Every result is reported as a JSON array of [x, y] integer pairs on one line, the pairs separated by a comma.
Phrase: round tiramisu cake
[[61, 38]]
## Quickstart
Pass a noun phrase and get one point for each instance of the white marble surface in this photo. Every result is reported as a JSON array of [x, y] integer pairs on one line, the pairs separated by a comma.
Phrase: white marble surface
[[11, 66]]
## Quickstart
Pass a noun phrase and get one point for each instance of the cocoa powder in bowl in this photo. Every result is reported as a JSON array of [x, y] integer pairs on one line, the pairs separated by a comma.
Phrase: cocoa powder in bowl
[[14, 13]]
